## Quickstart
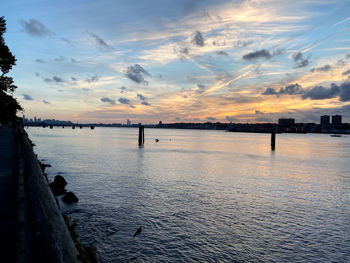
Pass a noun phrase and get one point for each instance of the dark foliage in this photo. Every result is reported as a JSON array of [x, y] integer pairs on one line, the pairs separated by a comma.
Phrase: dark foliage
[[8, 104]]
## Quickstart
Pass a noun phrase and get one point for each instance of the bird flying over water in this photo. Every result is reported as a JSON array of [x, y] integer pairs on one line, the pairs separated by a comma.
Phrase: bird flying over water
[[138, 231]]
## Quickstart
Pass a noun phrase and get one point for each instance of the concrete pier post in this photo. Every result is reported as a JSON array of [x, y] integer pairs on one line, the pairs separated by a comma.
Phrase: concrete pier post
[[273, 141], [141, 135]]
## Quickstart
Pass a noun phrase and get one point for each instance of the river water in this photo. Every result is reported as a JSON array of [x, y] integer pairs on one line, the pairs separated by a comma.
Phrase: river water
[[204, 196]]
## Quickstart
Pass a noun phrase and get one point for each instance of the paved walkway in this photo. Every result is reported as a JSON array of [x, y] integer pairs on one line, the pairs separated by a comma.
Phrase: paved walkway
[[8, 194]]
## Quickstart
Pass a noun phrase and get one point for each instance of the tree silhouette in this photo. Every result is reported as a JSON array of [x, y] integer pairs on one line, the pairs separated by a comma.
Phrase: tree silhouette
[[8, 104]]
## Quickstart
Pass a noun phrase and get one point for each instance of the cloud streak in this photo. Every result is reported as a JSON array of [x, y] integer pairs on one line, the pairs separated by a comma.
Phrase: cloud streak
[[35, 28], [137, 74], [108, 100], [27, 97]]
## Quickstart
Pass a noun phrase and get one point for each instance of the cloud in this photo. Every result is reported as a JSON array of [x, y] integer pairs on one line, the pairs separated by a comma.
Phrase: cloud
[[124, 101], [346, 72], [270, 91], [324, 68], [27, 97], [198, 39], [190, 6], [321, 93], [211, 118], [73, 60], [85, 89], [46, 102], [67, 41], [292, 89], [50, 80], [108, 100], [257, 54], [38, 60], [123, 90], [241, 43], [57, 79], [60, 59], [300, 61], [101, 43], [345, 91], [257, 112], [94, 78], [231, 118], [137, 74], [35, 28], [184, 50], [141, 97], [221, 53], [74, 79]]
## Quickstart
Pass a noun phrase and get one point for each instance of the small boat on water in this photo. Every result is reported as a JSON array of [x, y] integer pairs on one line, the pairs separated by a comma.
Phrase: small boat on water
[[335, 135]]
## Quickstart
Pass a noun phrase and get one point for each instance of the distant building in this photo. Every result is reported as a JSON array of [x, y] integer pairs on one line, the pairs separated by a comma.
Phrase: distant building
[[160, 123], [128, 122], [336, 119], [286, 121], [325, 120]]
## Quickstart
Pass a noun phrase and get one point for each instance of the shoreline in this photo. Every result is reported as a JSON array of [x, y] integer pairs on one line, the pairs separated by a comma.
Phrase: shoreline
[[43, 233]]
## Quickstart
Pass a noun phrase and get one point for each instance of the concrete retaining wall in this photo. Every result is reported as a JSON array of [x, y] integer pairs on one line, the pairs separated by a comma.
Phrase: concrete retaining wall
[[50, 240]]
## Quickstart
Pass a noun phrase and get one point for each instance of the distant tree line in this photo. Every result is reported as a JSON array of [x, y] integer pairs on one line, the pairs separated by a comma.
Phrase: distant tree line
[[9, 106]]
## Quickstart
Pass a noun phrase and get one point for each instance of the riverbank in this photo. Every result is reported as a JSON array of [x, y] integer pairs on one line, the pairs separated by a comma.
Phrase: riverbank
[[35, 228]]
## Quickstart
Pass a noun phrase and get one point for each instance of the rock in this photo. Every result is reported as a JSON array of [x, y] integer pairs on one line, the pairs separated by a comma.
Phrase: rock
[[57, 190], [58, 184], [60, 181], [69, 198], [91, 253]]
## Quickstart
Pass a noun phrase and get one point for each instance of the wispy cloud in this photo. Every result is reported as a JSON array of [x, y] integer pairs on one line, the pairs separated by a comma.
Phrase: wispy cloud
[[108, 100], [27, 97], [137, 74], [94, 78], [198, 39], [300, 60], [35, 28], [101, 44], [257, 54], [292, 89], [221, 53], [126, 102], [324, 68]]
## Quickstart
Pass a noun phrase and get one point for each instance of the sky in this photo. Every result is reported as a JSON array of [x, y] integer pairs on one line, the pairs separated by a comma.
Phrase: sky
[[180, 61]]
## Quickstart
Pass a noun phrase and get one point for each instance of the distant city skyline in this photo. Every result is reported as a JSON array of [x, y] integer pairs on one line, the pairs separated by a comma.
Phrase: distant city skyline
[[180, 61]]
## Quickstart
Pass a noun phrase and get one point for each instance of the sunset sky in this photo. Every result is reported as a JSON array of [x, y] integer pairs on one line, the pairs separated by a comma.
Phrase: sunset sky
[[180, 61]]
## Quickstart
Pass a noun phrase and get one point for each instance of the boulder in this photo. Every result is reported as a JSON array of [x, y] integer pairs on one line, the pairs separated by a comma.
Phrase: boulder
[[60, 181], [69, 198], [58, 184], [57, 190]]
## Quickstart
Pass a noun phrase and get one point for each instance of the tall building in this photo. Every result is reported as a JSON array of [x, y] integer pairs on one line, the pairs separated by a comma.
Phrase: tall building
[[336, 119], [325, 120], [128, 122]]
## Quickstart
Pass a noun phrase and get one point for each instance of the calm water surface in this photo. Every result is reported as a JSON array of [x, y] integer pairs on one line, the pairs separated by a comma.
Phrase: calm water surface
[[204, 196]]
